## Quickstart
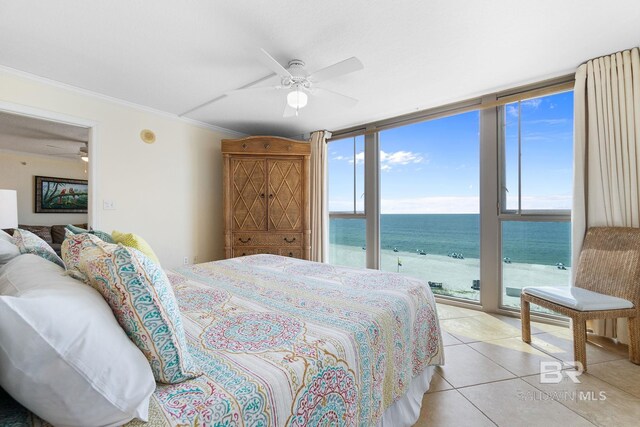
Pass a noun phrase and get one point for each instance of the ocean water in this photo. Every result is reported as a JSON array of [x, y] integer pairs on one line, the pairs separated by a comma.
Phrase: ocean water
[[529, 242]]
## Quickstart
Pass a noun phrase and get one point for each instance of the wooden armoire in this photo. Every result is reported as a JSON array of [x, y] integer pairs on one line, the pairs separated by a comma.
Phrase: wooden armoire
[[266, 197]]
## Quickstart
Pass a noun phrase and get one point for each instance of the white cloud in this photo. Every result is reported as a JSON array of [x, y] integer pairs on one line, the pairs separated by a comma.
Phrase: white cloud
[[512, 111], [421, 205], [400, 157], [388, 160], [535, 103], [466, 204], [547, 121]]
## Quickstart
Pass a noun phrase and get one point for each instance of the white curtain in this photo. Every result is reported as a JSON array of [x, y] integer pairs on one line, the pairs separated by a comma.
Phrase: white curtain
[[319, 207], [607, 154]]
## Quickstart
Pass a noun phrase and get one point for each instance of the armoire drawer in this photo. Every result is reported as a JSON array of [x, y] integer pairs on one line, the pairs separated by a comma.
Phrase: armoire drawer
[[254, 251], [267, 239], [291, 252]]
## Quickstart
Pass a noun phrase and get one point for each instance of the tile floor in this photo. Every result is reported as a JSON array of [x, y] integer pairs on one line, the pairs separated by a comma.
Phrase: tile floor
[[491, 377]]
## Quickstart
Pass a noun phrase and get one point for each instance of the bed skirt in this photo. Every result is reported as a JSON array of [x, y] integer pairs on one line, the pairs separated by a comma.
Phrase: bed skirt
[[405, 411]]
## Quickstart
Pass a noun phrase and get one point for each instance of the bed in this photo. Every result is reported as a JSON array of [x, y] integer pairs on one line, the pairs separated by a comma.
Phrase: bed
[[286, 342]]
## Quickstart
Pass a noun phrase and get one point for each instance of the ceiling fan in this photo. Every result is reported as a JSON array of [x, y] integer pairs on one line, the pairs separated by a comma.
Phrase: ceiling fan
[[83, 152], [298, 83]]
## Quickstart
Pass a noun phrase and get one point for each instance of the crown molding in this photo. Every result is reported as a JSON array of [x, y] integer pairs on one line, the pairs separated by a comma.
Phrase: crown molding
[[118, 101]]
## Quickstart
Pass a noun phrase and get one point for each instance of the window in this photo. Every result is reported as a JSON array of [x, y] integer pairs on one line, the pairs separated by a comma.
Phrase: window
[[429, 189], [537, 158], [474, 198], [346, 202]]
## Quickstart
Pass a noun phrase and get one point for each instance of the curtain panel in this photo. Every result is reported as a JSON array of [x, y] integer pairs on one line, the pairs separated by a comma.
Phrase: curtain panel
[[606, 154], [318, 196]]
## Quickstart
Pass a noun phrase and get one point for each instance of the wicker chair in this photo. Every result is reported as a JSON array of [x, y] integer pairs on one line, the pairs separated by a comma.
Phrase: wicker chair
[[607, 286]]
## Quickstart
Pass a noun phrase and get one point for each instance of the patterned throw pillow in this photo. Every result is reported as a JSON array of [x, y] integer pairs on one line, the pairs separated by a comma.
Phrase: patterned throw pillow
[[29, 243], [73, 246], [142, 300], [42, 231], [101, 234], [134, 241]]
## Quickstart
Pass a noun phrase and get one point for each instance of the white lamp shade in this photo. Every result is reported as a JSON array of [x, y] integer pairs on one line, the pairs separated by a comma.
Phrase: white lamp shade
[[297, 99], [8, 209]]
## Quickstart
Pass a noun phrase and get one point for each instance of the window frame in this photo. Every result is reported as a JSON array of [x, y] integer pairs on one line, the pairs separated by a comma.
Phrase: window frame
[[492, 194], [524, 215]]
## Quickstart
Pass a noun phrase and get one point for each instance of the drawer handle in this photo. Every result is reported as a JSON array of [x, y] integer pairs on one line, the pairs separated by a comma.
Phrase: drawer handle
[[262, 195], [267, 146], [244, 240], [244, 146], [289, 241], [243, 253], [290, 254], [271, 196]]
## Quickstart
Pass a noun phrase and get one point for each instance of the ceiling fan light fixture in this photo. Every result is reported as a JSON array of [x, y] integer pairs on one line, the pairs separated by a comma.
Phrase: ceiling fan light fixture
[[297, 99]]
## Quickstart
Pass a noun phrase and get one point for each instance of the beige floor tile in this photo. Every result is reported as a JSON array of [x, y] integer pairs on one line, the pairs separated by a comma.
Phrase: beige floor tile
[[598, 401], [438, 384], [448, 339], [480, 328], [464, 366], [452, 312], [560, 346], [620, 373], [514, 355], [517, 403], [536, 327], [449, 409]]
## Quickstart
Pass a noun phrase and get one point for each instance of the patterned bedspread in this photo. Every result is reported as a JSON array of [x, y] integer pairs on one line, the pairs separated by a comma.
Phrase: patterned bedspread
[[285, 342]]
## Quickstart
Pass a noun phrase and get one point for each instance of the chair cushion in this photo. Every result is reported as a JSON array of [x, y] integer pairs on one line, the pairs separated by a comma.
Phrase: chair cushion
[[578, 298]]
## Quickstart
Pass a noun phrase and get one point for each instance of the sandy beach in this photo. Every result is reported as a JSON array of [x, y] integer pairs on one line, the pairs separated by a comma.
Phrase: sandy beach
[[456, 275]]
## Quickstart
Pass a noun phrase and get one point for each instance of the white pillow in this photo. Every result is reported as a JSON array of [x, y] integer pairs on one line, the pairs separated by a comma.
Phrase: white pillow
[[62, 353], [8, 251]]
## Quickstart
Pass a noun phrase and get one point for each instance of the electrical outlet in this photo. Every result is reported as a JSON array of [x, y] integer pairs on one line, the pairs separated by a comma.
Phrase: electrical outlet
[[108, 205], [185, 261]]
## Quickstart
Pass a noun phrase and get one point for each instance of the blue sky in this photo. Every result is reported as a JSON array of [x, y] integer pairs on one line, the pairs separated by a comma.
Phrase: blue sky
[[433, 167]]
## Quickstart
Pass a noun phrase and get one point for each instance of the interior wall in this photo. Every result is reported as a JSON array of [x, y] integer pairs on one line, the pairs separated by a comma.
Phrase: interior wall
[[169, 192], [18, 171]]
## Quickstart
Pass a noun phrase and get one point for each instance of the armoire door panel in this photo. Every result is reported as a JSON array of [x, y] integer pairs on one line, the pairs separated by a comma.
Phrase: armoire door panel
[[249, 198], [285, 194]]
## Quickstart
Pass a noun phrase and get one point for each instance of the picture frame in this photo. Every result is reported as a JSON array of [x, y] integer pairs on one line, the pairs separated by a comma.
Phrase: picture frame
[[61, 195]]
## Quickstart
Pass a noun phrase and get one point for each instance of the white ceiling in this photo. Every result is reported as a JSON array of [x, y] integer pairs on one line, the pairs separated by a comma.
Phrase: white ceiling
[[36, 136], [173, 55]]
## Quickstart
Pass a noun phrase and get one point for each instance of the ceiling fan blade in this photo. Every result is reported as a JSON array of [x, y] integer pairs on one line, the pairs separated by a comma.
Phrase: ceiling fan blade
[[253, 89], [345, 100], [338, 69], [289, 111], [273, 65]]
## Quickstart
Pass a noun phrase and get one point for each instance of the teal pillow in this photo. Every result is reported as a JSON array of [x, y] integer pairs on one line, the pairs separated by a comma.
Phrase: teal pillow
[[29, 243], [106, 237]]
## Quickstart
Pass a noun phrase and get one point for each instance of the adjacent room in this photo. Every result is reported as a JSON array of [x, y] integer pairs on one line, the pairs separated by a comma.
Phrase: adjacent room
[[319, 214]]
